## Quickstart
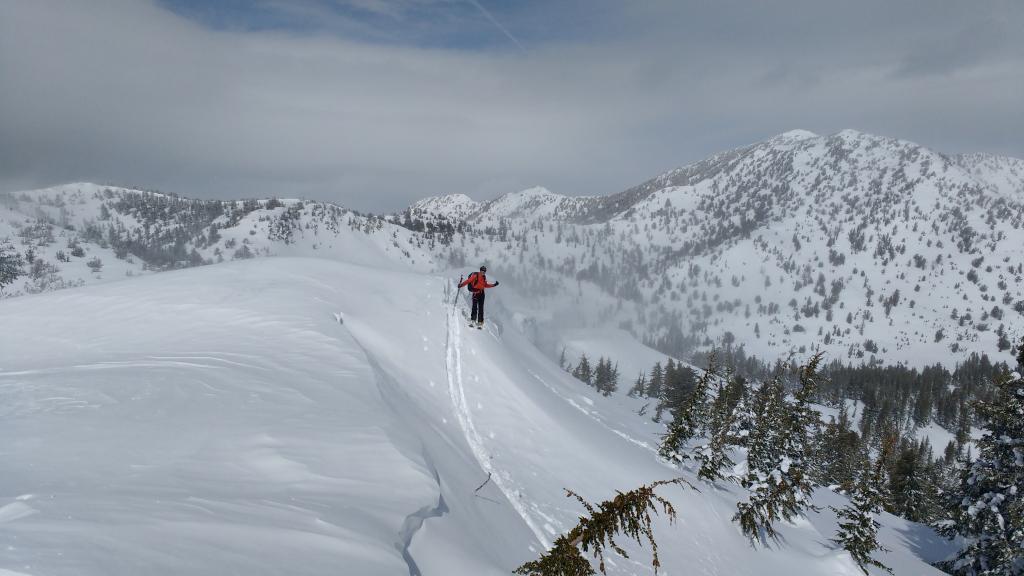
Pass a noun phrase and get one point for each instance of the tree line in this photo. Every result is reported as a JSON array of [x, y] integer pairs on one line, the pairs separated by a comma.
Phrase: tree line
[[774, 426]]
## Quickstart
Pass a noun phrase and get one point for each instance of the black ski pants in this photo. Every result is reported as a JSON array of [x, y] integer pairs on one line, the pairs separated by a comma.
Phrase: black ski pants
[[477, 314]]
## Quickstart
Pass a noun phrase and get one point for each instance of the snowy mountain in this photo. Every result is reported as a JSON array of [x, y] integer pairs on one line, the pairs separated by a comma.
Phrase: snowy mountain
[[125, 232], [862, 246], [455, 206], [295, 391], [310, 416]]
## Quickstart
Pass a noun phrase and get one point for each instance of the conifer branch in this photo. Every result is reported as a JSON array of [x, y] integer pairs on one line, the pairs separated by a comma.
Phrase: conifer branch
[[629, 514]]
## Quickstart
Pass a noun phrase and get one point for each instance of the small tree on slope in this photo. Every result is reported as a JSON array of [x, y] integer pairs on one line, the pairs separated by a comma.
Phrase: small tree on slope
[[639, 387], [582, 371], [713, 456], [10, 264], [778, 477], [689, 418], [858, 529], [990, 513]]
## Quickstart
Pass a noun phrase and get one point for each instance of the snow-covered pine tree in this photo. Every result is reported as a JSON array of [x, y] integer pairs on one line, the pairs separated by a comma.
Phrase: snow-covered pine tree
[[764, 452], [804, 421], [726, 399], [10, 264], [713, 456], [689, 417], [990, 512], [777, 475], [839, 453], [743, 416], [910, 482], [858, 529]]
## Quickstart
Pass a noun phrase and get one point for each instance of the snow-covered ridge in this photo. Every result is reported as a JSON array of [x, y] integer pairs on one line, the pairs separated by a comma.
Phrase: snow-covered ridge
[[1002, 174], [85, 233], [452, 206], [276, 422]]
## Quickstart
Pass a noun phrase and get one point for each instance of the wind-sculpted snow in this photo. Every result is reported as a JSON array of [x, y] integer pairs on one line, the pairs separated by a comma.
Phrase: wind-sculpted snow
[[304, 416]]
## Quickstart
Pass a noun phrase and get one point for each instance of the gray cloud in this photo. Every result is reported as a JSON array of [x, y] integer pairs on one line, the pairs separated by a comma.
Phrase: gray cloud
[[125, 91]]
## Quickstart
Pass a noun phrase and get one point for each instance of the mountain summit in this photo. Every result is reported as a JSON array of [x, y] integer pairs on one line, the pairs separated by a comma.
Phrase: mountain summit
[[864, 246]]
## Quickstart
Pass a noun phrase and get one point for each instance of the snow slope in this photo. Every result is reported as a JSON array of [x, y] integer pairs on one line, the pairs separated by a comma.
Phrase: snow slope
[[632, 357], [309, 416]]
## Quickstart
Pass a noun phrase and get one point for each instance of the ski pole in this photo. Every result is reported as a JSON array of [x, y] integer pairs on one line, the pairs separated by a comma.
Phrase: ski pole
[[458, 289]]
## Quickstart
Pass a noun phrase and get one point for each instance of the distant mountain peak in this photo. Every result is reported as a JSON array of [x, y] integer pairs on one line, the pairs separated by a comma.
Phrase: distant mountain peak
[[795, 135]]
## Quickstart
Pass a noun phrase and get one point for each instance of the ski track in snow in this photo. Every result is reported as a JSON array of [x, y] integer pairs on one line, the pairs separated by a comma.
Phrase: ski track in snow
[[453, 369], [591, 415]]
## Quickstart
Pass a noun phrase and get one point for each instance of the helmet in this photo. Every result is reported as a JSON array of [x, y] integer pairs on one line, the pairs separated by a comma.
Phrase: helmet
[[483, 268]]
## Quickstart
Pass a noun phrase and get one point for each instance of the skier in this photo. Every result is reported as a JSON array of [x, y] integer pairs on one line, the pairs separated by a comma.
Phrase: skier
[[477, 283]]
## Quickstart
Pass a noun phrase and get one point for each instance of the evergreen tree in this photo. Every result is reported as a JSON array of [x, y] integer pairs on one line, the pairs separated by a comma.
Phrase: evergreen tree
[[764, 453], [582, 372], [676, 391], [906, 485], [606, 377], [713, 456], [989, 514], [668, 377], [657, 381], [689, 416], [858, 529], [742, 422], [840, 453], [10, 265], [722, 408], [602, 374], [777, 477]]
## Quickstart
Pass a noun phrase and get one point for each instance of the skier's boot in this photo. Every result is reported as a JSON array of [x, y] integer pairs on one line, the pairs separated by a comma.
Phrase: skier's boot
[[480, 325]]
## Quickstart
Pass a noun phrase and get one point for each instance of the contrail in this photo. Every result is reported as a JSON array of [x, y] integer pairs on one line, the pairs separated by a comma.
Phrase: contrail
[[497, 24]]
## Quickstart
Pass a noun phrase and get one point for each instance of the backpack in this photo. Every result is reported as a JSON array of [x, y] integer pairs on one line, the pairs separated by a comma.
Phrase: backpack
[[471, 281]]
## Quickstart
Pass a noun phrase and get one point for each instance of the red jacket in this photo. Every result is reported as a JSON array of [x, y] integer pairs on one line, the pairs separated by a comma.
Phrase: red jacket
[[477, 281]]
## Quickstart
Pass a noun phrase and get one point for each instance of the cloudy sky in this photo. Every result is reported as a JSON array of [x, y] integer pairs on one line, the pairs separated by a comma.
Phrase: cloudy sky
[[374, 103]]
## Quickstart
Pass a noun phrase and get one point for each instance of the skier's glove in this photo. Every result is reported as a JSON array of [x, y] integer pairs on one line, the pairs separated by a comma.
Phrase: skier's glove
[[496, 282]]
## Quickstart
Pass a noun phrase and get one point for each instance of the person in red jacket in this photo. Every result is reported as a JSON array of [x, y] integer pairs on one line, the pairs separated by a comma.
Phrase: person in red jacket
[[477, 283]]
